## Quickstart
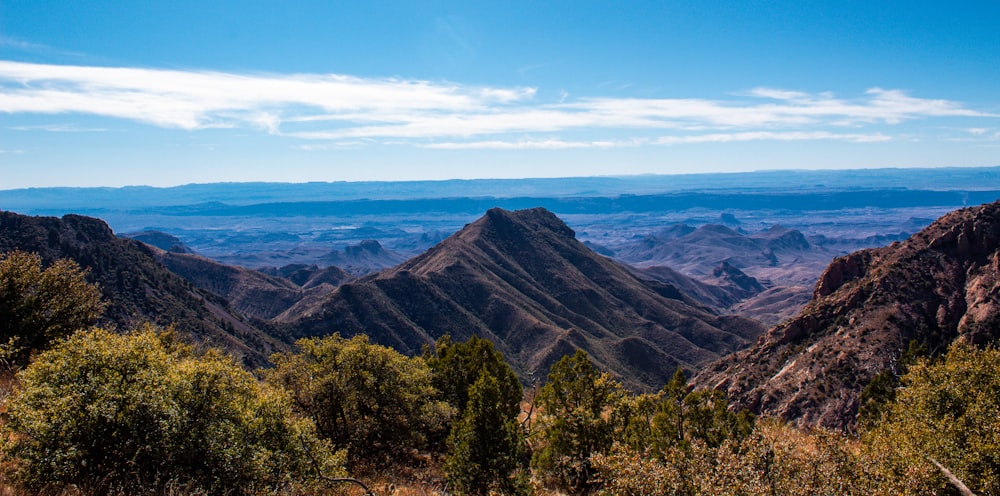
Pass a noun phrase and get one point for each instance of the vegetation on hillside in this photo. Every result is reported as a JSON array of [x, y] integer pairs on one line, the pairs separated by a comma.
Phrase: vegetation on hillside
[[141, 412]]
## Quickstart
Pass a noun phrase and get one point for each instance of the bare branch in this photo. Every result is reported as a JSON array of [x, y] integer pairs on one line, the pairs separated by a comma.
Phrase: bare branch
[[955, 481]]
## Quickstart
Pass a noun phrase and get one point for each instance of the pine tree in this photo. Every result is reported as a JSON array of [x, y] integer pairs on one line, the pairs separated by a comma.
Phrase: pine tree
[[577, 403], [486, 445]]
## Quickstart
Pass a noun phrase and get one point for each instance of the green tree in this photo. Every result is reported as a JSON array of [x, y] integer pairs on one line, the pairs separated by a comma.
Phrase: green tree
[[486, 445], [457, 366], [365, 397], [39, 306], [669, 422], [947, 411], [132, 414], [881, 391], [576, 406]]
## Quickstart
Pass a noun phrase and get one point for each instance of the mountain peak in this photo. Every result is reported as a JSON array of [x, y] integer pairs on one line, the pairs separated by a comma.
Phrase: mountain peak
[[522, 280], [507, 222]]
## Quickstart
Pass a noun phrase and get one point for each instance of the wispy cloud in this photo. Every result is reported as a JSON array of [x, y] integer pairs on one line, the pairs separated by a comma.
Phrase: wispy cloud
[[346, 109], [556, 144], [196, 100], [536, 144], [58, 128], [30, 47], [773, 136]]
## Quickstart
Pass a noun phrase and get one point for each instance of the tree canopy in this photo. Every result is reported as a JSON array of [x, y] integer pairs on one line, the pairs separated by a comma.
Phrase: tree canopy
[[362, 396], [134, 413], [576, 403], [38, 306], [948, 411]]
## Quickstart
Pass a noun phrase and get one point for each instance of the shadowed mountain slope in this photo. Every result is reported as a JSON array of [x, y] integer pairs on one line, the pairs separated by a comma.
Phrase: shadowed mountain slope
[[253, 293], [939, 285], [161, 240], [728, 285], [522, 280], [309, 275], [138, 288]]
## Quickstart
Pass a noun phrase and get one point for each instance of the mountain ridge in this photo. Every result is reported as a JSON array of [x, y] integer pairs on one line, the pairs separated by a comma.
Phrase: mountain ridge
[[137, 287], [522, 280]]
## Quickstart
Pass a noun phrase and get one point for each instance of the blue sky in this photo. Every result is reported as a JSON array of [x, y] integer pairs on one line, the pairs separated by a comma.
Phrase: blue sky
[[162, 93]]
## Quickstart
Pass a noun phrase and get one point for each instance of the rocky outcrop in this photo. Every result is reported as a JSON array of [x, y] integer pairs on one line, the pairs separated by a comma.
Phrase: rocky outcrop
[[941, 284]]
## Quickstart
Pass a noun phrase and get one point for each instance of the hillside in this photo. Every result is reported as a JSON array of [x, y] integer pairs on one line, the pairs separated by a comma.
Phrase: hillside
[[253, 293], [937, 286], [522, 280], [309, 276], [138, 288]]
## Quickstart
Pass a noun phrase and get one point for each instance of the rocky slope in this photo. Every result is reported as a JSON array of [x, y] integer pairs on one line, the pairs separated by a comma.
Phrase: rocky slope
[[522, 280], [939, 285], [138, 288]]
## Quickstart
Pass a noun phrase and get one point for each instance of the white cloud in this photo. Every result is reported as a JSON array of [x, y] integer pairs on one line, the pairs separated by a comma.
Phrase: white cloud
[[59, 128], [541, 144], [772, 136], [338, 108], [556, 144], [193, 100]]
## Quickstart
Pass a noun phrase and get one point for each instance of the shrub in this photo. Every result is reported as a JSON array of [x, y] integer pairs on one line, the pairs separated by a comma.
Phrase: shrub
[[948, 410], [774, 459], [365, 397], [134, 413]]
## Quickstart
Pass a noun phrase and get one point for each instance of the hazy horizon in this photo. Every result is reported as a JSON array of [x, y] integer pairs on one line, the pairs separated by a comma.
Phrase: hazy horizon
[[833, 172]]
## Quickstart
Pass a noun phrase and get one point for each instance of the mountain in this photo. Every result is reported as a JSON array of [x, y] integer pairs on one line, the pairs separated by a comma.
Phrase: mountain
[[779, 254], [138, 288], [728, 285], [310, 276], [161, 240], [765, 275], [522, 280], [937, 286], [363, 258], [253, 293]]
